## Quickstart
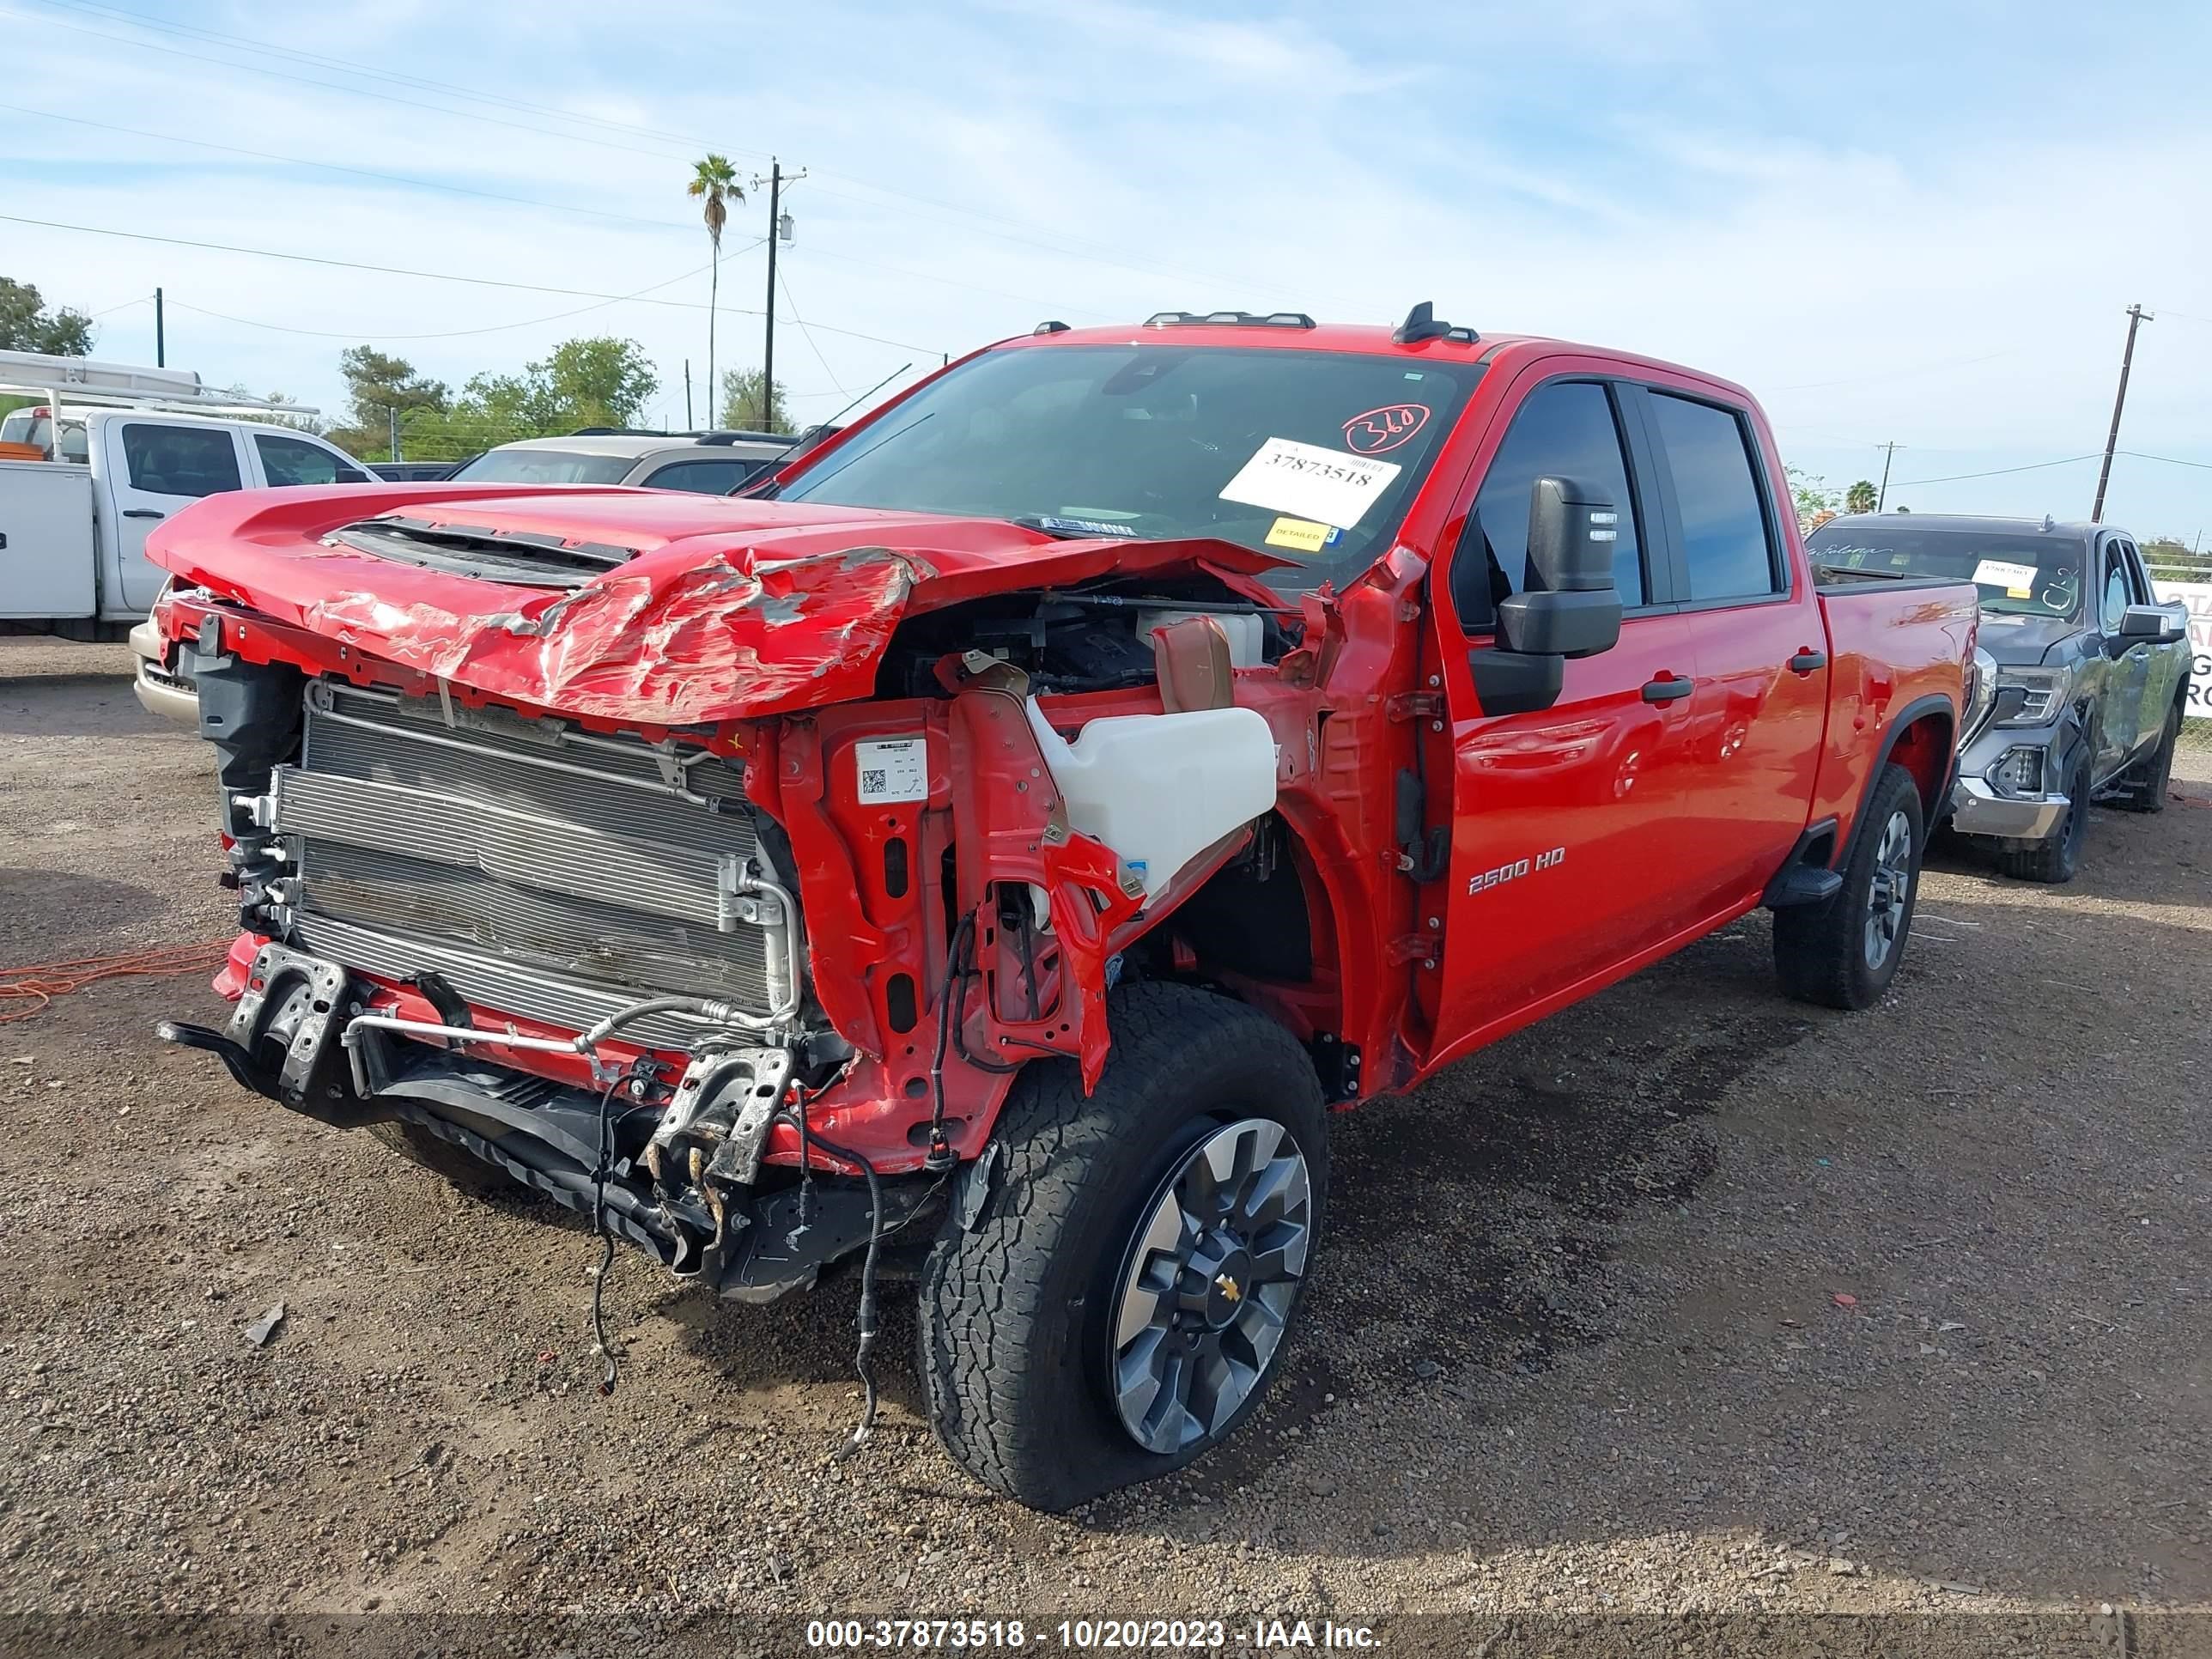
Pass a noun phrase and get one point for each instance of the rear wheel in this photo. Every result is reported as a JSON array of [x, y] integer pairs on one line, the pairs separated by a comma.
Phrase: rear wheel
[[1119, 1306], [2144, 785], [1843, 951], [470, 1175], [2058, 857]]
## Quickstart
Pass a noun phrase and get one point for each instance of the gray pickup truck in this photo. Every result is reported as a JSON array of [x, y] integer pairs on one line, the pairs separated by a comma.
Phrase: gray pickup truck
[[2083, 674]]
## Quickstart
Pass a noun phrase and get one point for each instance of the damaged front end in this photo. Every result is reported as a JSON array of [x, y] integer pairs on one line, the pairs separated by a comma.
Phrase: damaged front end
[[739, 960]]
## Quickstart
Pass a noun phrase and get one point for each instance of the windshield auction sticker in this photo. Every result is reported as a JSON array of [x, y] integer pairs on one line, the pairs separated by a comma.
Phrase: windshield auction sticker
[[2018, 580], [1305, 481]]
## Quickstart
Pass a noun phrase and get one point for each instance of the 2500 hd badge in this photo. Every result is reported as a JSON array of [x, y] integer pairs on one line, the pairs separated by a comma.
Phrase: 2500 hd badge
[[1505, 872]]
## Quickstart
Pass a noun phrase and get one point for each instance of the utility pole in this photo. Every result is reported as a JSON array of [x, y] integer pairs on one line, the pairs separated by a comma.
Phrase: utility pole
[[2137, 317], [392, 425], [1888, 454], [160, 343], [688, 427], [779, 230], [768, 348]]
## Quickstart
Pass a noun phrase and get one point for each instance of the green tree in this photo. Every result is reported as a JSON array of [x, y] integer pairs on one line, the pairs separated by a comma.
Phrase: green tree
[[276, 418], [741, 402], [1860, 497], [376, 384], [714, 185], [27, 324], [1812, 495], [597, 382], [590, 382]]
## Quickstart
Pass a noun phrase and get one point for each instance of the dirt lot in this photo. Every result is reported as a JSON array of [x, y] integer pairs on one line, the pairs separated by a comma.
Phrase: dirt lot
[[1585, 1336]]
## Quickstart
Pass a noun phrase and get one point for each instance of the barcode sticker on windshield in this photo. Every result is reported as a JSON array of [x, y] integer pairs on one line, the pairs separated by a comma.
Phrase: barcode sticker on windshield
[[893, 771], [1305, 481], [2018, 580]]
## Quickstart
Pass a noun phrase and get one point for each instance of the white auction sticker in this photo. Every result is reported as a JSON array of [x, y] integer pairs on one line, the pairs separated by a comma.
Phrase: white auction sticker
[[2018, 580], [1305, 481], [895, 771]]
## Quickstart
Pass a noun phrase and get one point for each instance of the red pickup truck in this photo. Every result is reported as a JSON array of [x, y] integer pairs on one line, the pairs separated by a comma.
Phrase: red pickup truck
[[1010, 829]]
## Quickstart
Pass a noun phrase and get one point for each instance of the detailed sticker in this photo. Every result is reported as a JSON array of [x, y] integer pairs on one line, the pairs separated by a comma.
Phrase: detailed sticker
[[1302, 534], [894, 770], [2018, 580], [1308, 482], [1386, 428]]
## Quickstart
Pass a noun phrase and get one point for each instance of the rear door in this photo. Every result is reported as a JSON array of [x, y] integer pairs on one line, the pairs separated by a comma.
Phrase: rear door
[[1759, 640], [153, 467], [1564, 820]]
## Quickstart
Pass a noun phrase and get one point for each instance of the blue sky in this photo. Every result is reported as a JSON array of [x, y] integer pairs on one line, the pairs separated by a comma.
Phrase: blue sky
[[1917, 223]]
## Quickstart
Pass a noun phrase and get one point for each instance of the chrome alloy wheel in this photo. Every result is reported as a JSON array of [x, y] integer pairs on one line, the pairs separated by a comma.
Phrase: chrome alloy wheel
[[1207, 1282], [1891, 889]]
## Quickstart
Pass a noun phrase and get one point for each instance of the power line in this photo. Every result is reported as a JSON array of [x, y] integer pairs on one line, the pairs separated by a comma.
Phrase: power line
[[784, 279], [316, 59], [2171, 460], [1995, 472], [358, 172], [1096, 254], [445, 334], [435, 275], [168, 51]]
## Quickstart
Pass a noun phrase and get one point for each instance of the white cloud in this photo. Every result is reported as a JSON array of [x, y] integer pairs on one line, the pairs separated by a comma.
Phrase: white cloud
[[1709, 182]]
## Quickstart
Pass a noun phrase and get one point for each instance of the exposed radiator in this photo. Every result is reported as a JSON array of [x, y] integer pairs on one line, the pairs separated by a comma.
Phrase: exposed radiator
[[542, 871]]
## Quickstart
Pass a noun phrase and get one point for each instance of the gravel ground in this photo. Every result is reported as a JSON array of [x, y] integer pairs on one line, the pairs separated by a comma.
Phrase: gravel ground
[[1689, 1299]]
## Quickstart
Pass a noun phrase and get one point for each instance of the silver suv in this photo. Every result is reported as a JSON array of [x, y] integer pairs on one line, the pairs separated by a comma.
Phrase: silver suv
[[705, 463]]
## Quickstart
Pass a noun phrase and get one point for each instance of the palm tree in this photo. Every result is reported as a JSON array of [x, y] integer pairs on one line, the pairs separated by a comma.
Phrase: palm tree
[[1859, 498], [714, 183]]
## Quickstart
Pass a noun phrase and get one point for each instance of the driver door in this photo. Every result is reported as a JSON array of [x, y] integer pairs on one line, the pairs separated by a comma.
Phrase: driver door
[[1564, 820]]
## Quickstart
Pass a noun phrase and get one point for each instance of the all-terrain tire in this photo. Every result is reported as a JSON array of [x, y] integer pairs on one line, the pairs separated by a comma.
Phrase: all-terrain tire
[[1017, 1324], [2056, 858], [2143, 787], [468, 1174], [1821, 950]]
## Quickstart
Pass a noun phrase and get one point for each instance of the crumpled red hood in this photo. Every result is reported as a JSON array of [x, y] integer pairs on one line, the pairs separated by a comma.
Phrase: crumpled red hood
[[730, 609]]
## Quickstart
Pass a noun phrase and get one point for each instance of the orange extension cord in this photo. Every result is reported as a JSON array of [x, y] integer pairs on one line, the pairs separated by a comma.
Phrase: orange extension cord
[[40, 982]]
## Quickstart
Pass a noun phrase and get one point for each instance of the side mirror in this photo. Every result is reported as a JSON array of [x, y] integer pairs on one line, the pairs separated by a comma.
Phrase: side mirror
[[2150, 624], [1569, 607]]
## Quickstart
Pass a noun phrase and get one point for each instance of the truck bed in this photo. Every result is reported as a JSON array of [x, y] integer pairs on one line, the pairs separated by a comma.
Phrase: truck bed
[[1891, 645]]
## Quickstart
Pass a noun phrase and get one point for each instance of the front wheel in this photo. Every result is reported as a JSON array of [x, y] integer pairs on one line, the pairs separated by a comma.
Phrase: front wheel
[[1843, 951], [1119, 1304], [2058, 857]]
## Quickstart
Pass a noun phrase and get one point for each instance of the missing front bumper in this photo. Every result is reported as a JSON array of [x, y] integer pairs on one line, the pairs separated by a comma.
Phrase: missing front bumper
[[288, 1040]]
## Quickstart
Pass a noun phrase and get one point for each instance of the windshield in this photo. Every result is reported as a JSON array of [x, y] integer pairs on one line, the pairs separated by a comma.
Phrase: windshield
[[2026, 572], [548, 466], [1311, 456]]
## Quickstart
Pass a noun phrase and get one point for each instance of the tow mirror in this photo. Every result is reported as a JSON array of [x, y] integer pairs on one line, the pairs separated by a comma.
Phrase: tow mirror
[[2149, 624], [1569, 608]]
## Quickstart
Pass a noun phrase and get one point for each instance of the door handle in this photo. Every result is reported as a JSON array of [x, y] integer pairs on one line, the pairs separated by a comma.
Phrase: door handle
[[140, 513], [1667, 689], [1807, 660]]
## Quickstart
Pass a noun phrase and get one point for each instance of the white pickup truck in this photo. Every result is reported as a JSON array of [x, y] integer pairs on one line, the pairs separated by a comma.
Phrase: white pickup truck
[[73, 537]]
